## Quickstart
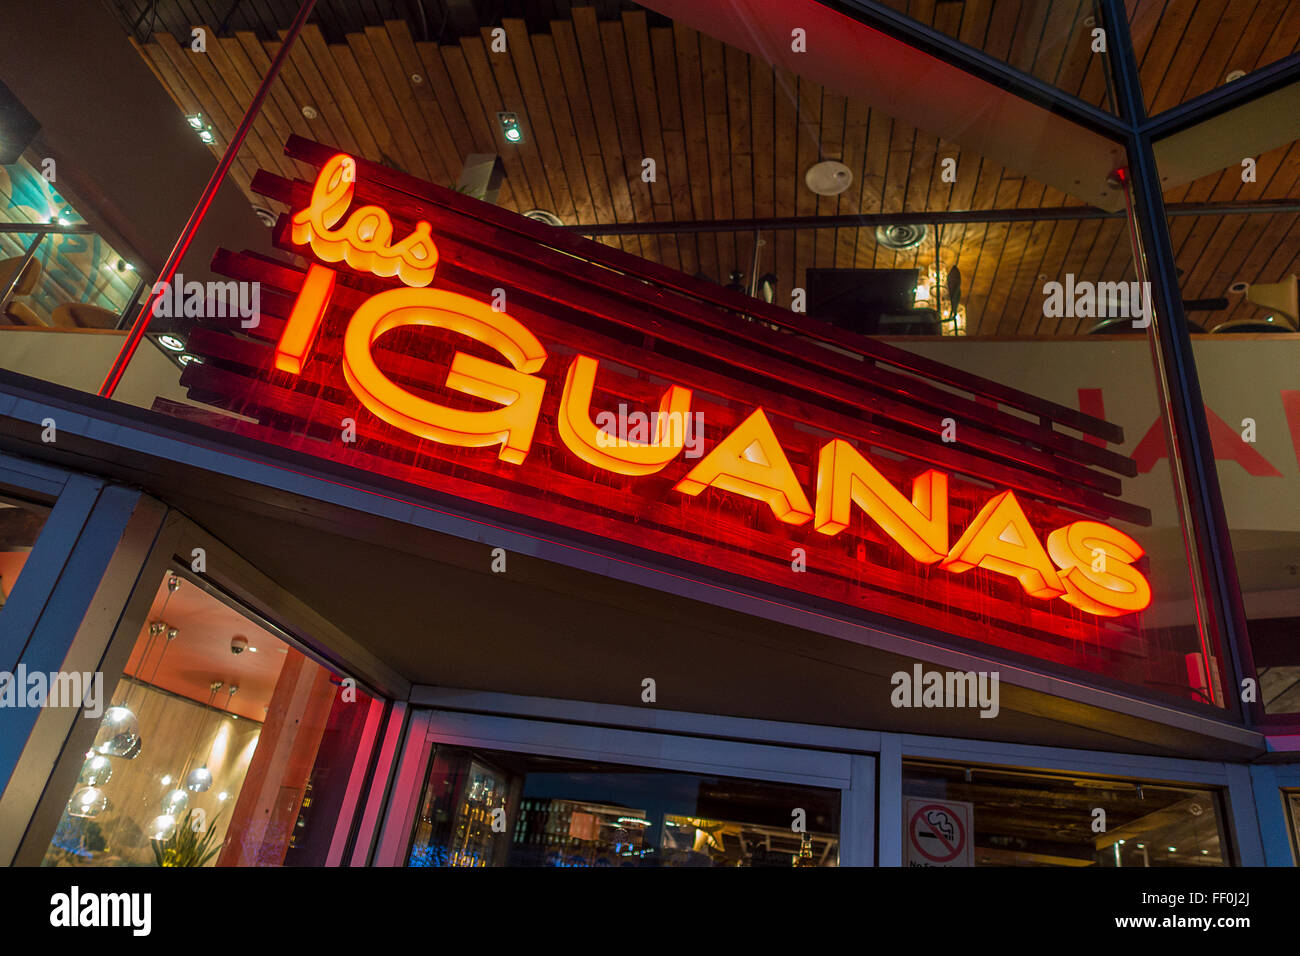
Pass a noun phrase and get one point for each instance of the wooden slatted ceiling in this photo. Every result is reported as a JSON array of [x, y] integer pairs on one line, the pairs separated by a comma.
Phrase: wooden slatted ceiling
[[731, 138]]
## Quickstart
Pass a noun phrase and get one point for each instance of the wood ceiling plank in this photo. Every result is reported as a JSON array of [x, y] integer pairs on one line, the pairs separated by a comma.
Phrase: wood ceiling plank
[[482, 118], [982, 284], [551, 87], [283, 90], [1282, 41], [1071, 264], [227, 102], [807, 152], [690, 85], [1065, 235], [1241, 34], [718, 133], [1109, 260], [433, 135], [305, 82], [229, 59], [857, 119], [762, 136], [538, 151], [1028, 36], [641, 80], [1186, 61], [786, 178], [1025, 309], [381, 128], [591, 59], [384, 70], [1158, 57], [569, 60], [321, 70], [831, 135], [189, 89]]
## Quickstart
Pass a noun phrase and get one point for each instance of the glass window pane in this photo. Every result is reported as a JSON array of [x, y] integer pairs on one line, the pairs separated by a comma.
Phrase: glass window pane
[[1189, 47], [1050, 40], [1235, 231], [938, 293], [20, 523], [489, 808], [223, 746], [1032, 819]]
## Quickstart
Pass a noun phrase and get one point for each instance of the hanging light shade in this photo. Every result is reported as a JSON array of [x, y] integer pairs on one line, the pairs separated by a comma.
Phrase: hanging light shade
[[96, 770], [162, 827], [175, 802], [199, 779], [119, 733], [87, 802]]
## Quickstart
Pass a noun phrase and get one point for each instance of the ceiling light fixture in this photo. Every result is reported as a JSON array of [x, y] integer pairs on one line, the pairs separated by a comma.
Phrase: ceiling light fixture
[[195, 120], [828, 178], [172, 342], [510, 128], [544, 215]]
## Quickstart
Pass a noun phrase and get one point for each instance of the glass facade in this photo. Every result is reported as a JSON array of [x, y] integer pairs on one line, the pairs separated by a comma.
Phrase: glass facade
[[500, 809], [1028, 819], [1003, 294], [221, 746]]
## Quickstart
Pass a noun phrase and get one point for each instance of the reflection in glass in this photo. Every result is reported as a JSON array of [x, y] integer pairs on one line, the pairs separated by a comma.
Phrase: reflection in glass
[[1028, 819], [483, 808]]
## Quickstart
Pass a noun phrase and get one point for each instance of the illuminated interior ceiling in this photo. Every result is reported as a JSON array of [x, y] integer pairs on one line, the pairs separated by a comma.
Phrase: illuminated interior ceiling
[[421, 90]]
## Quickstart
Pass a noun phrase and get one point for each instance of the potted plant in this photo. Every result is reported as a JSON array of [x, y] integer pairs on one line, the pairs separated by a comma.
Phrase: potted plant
[[185, 846]]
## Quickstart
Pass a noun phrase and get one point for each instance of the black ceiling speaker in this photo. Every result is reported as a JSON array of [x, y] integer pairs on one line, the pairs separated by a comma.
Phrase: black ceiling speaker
[[17, 127], [954, 290]]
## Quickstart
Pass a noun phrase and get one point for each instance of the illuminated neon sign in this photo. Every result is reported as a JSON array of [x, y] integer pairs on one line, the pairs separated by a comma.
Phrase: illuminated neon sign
[[1087, 564]]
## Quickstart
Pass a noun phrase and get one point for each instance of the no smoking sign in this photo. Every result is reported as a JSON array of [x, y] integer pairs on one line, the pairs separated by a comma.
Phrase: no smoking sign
[[939, 832]]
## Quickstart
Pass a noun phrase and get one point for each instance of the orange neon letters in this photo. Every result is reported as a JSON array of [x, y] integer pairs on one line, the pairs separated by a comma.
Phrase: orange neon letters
[[1097, 570], [1001, 539], [751, 462], [845, 478], [599, 448], [304, 321], [1096, 561], [519, 393], [364, 241]]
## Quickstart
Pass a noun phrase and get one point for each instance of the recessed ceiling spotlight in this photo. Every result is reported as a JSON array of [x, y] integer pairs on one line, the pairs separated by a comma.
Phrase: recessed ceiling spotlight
[[265, 215], [1089, 21], [207, 135], [195, 120], [544, 215], [900, 238], [1234, 75], [172, 342], [510, 128], [417, 79], [188, 359], [1237, 288], [309, 112], [828, 178]]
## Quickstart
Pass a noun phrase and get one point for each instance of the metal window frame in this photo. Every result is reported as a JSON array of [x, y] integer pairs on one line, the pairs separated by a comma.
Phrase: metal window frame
[[874, 796], [51, 757], [673, 741]]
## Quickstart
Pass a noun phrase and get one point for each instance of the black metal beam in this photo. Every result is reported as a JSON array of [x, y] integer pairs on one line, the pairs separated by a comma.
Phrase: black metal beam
[[868, 220], [980, 64], [1211, 545], [1222, 99]]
